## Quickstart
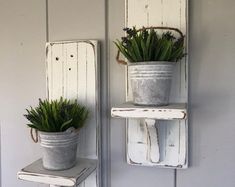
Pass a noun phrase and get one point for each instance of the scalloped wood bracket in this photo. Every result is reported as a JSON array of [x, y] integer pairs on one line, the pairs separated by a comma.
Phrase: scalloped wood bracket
[[155, 135]]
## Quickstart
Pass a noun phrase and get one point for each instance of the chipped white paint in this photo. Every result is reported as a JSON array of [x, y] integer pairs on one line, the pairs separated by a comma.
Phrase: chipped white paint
[[172, 135], [137, 142], [170, 112], [72, 72], [154, 151], [71, 177]]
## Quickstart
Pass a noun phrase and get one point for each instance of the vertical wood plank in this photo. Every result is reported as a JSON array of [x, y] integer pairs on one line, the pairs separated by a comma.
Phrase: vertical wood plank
[[184, 61], [140, 8], [155, 8], [82, 89], [172, 143], [89, 147], [171, 13], [82, 72], [70, 70], [77, 78], [162, 13], [57, 74], [162, 139], [91, 99], [49, 70], [183, 157]]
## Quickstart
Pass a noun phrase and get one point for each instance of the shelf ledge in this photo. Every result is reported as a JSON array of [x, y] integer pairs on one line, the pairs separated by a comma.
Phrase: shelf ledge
[[70, 177], [169, 112]]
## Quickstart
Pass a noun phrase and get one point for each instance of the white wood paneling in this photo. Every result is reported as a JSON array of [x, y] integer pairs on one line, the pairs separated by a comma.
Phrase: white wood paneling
[[56, 73], [72, 72], [172, 135]]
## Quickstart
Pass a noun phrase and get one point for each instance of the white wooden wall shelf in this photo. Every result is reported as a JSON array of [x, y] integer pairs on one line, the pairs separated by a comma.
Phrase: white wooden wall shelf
[[71, 177], [73, 73], [158, 136], [147, 139], [169, 112]]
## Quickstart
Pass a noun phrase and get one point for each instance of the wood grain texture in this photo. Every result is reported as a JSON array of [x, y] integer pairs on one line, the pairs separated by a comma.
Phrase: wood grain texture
[[172, 135], [72, 72], [170, 112], [70, 177]]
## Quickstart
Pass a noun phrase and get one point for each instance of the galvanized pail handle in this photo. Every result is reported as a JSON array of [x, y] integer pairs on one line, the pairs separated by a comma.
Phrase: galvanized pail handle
[[147, 28], [34, 136]]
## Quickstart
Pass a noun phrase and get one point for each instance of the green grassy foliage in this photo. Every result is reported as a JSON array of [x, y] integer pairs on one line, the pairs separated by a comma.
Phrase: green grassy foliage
[[148, 45], [56, 115]]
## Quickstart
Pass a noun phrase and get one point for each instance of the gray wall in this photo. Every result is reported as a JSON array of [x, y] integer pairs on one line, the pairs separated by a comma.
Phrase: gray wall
[[22, 81], [23, 33], [212, 95]]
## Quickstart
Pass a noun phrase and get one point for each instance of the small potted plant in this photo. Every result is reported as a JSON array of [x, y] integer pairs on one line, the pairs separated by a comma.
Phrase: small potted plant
[[151, 59], [57, 123]]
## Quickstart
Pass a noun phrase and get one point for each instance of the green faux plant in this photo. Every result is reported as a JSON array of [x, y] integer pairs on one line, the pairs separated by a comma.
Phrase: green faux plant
[[56, 115], [147, 44]]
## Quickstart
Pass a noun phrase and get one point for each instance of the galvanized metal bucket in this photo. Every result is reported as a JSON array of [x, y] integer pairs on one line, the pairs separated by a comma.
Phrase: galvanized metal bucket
[[59, 149], [151, 82]]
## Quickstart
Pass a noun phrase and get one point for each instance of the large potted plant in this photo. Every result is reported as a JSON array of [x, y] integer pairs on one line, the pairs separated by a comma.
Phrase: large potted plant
[[151, 57], [57, 123]]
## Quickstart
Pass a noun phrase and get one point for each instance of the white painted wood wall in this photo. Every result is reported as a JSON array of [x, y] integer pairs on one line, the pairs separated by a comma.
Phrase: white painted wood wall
[[163, 143], [73, 72]]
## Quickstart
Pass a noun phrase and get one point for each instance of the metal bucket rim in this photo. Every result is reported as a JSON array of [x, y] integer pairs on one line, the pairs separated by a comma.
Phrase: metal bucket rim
[[67, 132], [60, 139], [55, 138], [151, 63]]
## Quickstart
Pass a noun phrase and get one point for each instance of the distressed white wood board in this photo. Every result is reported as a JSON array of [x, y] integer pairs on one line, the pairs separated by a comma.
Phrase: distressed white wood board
[[70, 177], [73, 72], [172, 134], [169, 112]]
